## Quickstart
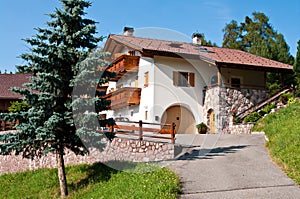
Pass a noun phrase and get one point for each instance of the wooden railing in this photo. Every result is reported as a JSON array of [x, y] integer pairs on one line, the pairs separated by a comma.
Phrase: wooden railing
[[124, 97], [129, 128], [262, 104], [123, 64], [239, 86]]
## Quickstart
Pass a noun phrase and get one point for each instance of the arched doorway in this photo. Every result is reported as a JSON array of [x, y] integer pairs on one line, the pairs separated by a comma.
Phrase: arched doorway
[[211, 121], [182, 117]]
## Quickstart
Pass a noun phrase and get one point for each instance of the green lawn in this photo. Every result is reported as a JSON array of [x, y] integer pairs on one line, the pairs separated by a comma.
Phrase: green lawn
[[283, 131], [93, 181]]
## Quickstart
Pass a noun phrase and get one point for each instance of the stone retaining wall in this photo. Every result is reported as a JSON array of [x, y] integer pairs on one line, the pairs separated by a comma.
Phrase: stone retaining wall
[[119, 149], [241, 129], [224, 101]]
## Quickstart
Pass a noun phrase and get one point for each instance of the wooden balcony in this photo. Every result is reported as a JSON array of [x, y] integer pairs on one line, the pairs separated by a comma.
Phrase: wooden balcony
[[124, 97], [124, 64]]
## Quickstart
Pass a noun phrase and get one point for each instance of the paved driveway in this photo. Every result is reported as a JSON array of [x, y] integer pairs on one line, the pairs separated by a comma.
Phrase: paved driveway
[[235, 166]]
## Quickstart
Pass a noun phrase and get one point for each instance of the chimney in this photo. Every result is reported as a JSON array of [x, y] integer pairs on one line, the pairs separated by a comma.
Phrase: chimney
[[197, 38], [127, 31]]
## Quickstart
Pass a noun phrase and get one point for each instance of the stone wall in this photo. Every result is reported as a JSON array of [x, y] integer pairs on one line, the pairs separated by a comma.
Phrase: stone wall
[[119, 149], [225, 101], [240, 129]]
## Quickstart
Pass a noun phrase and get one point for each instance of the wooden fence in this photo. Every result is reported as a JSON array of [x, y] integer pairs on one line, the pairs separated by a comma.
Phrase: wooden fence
[[129, 128]]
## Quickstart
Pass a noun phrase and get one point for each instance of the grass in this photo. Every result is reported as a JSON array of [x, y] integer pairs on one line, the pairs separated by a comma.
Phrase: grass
[[283, 131], [93, 181]]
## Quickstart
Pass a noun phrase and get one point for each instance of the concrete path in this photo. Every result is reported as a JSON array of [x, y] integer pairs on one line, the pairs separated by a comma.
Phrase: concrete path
[[231, 166]]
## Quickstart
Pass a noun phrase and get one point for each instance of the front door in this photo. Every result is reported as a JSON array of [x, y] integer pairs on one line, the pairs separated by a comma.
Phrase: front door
[[212, 121]]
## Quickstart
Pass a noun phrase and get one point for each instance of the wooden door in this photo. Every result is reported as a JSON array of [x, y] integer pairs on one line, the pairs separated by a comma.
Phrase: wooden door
[[212, 121]]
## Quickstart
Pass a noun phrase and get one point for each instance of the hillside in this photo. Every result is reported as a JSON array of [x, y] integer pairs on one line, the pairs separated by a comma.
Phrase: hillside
[[283, 131]]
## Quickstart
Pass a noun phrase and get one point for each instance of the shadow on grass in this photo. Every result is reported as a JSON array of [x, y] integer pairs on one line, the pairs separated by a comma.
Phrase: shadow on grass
[[209, 153], [95, 173]]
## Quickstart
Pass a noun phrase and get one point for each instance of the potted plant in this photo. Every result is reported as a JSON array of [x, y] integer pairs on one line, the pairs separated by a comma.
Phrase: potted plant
[[202, 128]]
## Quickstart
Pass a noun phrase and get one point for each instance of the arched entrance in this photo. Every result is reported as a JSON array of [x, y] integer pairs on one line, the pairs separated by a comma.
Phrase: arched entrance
[[211, 121], [182, 117]]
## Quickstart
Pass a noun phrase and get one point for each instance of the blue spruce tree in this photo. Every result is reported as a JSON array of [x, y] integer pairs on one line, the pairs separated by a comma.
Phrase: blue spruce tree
[[58, 61]]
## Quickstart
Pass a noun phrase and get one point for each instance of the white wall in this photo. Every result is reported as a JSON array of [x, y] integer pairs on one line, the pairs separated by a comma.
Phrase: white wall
[[166, 94], [147, 94]]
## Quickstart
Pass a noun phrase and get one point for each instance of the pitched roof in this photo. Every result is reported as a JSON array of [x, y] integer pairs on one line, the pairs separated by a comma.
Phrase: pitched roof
[[7, 81], [212, 54]]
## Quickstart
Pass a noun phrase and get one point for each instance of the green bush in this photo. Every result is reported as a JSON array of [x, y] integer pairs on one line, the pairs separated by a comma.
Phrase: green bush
[[284, 98], [17, 107], [262, 112], [269, 107], [274, 88], [253, 117], [292, 100], [202, 128]]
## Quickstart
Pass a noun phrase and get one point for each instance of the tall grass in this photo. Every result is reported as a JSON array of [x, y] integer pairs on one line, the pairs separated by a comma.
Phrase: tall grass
[[283, 131]]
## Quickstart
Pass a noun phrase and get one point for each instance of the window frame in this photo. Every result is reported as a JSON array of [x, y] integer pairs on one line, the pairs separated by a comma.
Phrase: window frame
[[183, 79]]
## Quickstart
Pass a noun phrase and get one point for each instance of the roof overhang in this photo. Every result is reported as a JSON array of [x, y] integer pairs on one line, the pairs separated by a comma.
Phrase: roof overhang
[[253, 67]]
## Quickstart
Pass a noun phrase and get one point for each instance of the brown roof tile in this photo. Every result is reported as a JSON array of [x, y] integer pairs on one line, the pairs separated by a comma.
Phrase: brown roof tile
[[7, 81], [213, 54]]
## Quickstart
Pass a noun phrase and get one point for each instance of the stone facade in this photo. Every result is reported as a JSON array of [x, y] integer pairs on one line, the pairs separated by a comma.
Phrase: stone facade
[[226, 101], [120, 149]]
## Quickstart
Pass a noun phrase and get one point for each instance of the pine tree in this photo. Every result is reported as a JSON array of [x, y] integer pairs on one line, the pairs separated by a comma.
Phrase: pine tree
[[297, 69], [59, 118]]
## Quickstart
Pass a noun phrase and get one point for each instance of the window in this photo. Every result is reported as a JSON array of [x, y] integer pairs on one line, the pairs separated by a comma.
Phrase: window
[[146, 115], [183, 79], [146, 79], [136, 82], [235, 82], [214, 80]]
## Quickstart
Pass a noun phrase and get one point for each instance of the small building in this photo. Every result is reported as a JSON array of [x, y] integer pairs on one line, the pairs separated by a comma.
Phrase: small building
[[8, 81], [164, 81]]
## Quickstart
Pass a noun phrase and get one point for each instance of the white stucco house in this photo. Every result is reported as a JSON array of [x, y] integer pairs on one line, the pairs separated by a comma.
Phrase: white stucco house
[[163, 81]]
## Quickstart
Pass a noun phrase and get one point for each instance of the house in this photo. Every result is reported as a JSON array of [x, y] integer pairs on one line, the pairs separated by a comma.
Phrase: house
[[160, 81], [8, 81]]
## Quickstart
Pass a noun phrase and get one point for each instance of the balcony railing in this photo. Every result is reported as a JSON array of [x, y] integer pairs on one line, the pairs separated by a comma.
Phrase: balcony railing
[[124, 97], [124, 64], [238, 86]]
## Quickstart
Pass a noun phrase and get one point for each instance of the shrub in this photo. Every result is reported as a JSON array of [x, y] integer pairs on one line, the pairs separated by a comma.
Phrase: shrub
[[202, 128], [292, 100], [274, 88], [17, 107], [262, 112], [269, 107], [284, 98], [253, 117]]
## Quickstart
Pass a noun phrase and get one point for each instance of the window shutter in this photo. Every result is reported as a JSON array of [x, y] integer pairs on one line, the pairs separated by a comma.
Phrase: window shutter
[[146, 79], [175, 78], [192, 79]]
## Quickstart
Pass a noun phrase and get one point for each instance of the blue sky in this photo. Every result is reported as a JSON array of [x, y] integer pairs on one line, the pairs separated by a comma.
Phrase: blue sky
[[18, 18]]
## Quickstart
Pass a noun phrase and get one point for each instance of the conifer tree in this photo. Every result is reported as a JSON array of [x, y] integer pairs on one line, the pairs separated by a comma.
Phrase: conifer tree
[[59, 61], [297, 69]]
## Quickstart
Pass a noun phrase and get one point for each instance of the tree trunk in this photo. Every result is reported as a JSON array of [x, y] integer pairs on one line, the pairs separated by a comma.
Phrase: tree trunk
[[61, 173]]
